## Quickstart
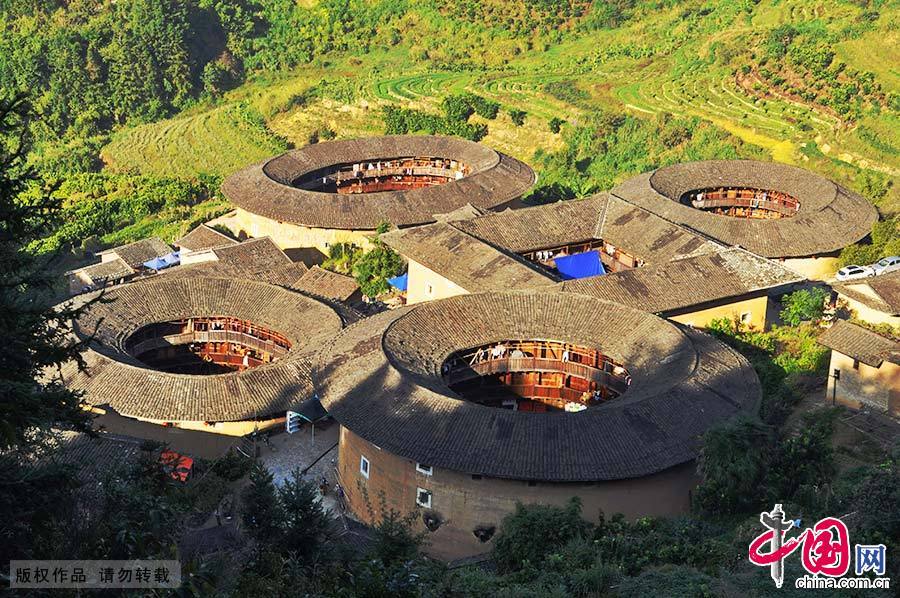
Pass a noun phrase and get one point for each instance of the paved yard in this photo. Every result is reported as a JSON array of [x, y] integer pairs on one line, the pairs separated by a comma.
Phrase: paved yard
[[317, 457]]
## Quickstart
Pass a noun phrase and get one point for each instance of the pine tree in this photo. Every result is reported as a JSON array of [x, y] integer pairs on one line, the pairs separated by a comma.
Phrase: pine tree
[[306, 522], [36, 337], [33, 500], [262, 511]]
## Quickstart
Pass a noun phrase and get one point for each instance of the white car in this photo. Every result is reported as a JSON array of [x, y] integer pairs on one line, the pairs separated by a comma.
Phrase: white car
[[854, 272], [885, 265]]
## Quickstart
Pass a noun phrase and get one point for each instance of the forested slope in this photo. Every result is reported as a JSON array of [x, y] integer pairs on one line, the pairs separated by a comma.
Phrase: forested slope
[[588, 92]]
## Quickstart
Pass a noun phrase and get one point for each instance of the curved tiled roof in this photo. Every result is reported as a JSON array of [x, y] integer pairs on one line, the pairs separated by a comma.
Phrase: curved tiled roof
[[830, 216], [113, 377], [381, 379], [265, 188]]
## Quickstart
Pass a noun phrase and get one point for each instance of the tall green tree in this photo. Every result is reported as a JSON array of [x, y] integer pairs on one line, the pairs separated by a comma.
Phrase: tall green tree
[[33, 500], [262, 511], [36, 336], [306, 523]]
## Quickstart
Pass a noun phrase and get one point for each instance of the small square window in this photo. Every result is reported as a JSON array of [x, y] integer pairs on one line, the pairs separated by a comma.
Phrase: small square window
[[746, 317], [364, 467], [423, 498], [425, 469]]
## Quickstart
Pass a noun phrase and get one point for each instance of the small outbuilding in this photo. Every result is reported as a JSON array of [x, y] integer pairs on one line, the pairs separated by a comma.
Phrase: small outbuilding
[[200, 240], [445, 261], [97, 276], [875, 299], [864, 370]]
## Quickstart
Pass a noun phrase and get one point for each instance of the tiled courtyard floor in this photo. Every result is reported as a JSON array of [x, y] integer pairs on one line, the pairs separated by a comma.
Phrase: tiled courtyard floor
[[316, 456]]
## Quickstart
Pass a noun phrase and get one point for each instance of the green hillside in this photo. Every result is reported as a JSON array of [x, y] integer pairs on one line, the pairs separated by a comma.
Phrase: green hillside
[[797, 81]]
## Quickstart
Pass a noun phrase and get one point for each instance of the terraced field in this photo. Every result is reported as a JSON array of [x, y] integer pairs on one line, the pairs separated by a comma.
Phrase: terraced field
[[661, 63], [215, 142], [511, 90]]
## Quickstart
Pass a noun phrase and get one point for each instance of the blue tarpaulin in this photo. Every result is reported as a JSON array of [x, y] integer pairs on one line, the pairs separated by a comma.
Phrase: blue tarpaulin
[[579, 265], [158, 263], [399, 282]]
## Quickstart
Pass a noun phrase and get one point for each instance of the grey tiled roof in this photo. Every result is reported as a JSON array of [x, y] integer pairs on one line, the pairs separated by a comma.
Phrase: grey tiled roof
[[115, 378], [690, 281], [465, 260], [624, 225], [265, 188], [204, 237], [258, 259], [135, 254], [111, 270], [861, 344], [381, 379], [538, 227], [881, 293], [830, 217], [325, 283]]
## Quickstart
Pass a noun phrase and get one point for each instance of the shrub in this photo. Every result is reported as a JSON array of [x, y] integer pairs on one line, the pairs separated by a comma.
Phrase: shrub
[[532, 532], [593, 581], [483, 107], [232, 466], [803, 305], [342, 257], [669, 580], [394, 539], [209, 492], [732, 465], [262, 511], [400, 121], [567, 91], [375, 266], [517, 116], [798, 348], [805, 458], [305, 522], [457, 107], [873, 494], [556, 124]]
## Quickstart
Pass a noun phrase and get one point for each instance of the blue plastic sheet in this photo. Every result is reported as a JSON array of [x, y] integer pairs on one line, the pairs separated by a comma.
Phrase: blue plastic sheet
[[158, 263], [399, 282], [579, 265]]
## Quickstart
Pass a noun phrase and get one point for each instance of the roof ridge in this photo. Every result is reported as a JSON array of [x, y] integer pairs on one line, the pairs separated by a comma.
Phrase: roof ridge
[[679, 225], [511, 254], [601, 221]]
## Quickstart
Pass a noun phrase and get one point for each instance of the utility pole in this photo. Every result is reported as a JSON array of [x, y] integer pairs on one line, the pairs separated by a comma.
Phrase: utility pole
[[835, 376]]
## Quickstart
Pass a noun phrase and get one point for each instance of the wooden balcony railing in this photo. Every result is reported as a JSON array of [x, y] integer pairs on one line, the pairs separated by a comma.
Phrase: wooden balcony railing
[[534, 364], [737, 202], [211, 336]]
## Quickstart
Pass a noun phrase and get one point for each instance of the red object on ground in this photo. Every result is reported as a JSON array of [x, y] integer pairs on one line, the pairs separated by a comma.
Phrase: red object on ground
[[177, 466]]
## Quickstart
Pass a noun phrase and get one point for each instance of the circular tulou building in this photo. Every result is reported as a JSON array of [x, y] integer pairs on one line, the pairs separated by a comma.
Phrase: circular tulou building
[[341, 191], [220, 355], [464, 406], [774, 210]]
